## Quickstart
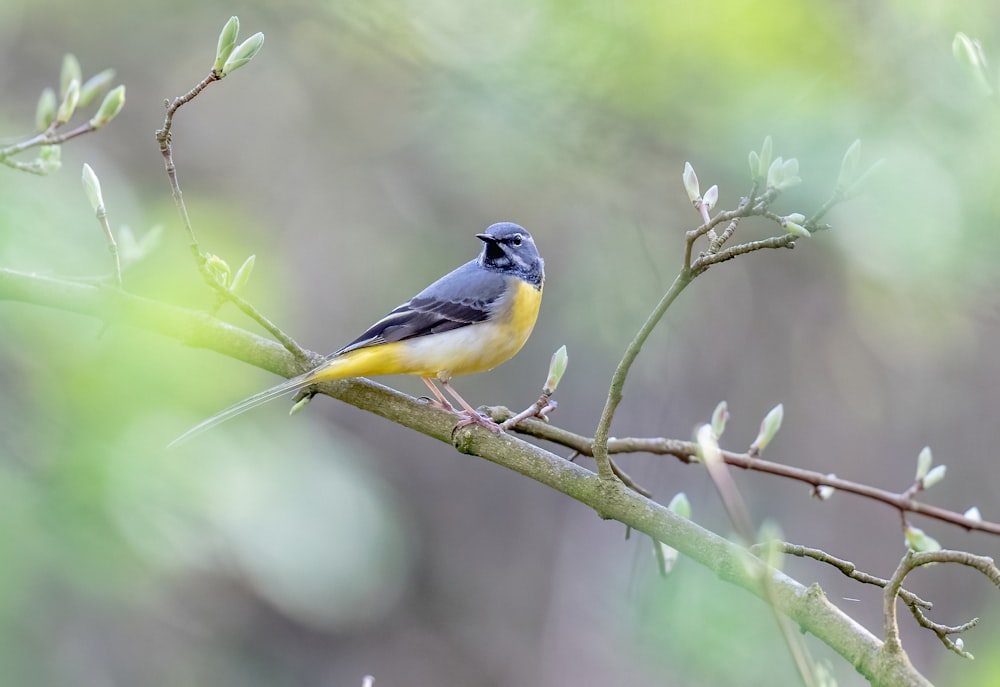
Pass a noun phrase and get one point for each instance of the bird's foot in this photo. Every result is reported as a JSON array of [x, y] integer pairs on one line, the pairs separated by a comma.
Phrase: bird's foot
[[476, 418], [440, 405]]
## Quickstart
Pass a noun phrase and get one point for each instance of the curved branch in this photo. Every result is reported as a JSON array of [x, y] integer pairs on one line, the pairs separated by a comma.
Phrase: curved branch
[[687, 451], [807, 607]]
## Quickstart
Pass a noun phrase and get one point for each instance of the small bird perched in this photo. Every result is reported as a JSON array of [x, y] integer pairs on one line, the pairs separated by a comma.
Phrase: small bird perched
[[470, 320]]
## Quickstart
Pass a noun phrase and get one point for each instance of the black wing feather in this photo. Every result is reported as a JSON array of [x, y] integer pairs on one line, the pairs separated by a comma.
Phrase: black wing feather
[[466, 296]]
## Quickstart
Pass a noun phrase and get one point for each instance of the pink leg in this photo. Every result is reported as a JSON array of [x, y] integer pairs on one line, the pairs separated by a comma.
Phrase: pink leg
[[472, 416], [440, 402]]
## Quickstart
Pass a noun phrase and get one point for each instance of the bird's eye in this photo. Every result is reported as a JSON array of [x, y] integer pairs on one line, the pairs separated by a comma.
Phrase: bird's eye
[[516, 240]]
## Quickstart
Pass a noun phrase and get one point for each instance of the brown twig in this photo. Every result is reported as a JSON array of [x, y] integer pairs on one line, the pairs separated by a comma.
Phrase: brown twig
[[164, 138], [689, 270], [848, 568], [687, 451], [910, 562], [48, 137]]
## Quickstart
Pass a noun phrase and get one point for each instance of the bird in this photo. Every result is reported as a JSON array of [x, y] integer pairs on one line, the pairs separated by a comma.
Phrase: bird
[[473, 319]]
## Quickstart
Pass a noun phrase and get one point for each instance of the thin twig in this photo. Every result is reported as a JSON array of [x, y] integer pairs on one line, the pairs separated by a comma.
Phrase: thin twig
[[46, 138], [102, 217], [709, 259], [689, 270], [600, 443], [687, 451], [164, 137], [848, 568], [910, 562]]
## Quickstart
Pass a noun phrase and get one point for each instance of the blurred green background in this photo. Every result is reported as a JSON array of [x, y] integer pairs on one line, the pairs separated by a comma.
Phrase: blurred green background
[[356, 157]]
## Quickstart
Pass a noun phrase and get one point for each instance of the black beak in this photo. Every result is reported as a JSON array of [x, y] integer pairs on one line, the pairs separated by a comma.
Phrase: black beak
[[486, 238]]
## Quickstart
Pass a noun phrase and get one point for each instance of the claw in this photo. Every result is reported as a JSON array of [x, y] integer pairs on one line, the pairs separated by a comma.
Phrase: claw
[[479, 419]]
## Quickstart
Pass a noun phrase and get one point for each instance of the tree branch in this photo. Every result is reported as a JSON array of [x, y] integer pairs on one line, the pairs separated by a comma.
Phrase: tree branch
[[687, 451], [809, 608]]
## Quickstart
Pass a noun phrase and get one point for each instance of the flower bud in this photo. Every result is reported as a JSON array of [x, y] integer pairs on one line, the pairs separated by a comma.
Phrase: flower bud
[[112, 104], [754, 160], [973, 514], [789, 174], [711, 197], [70, 72], [680, 505], [719, 417], [219, 269], [92, 187], [49, 158], [920, 541], [794, 228], [769, 426], [45, 111], [69, 103], [708, 446], [557, 368], [227, 41], [934, 476], [924, 462], [243, 53], [691, 182], [242, 275]]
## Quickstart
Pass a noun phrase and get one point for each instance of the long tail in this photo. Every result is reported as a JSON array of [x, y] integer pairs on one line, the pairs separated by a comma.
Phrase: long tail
[[286, 387]]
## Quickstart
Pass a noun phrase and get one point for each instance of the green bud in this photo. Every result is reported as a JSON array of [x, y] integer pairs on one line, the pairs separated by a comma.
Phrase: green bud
[[769, 426], [70, 72], [719, 417], [557, 368], [711, 197], [243, 274], [789, 174], [49, 158], [754, 160], [973, 514], [794, 228], [112, 104], [766, 151], [920, 541], [691, 182], [679, 505], [708, 446], [94, 85], [92, 187], [934, 476], [300, 404], [774, 172], [45, 112], [243, 53], [924, 462], [218, 268], [849, 165], [227, 41], [69, 103]]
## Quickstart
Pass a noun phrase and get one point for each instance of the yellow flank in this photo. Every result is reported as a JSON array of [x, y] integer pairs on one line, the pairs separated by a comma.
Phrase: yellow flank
[[466, 350]]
